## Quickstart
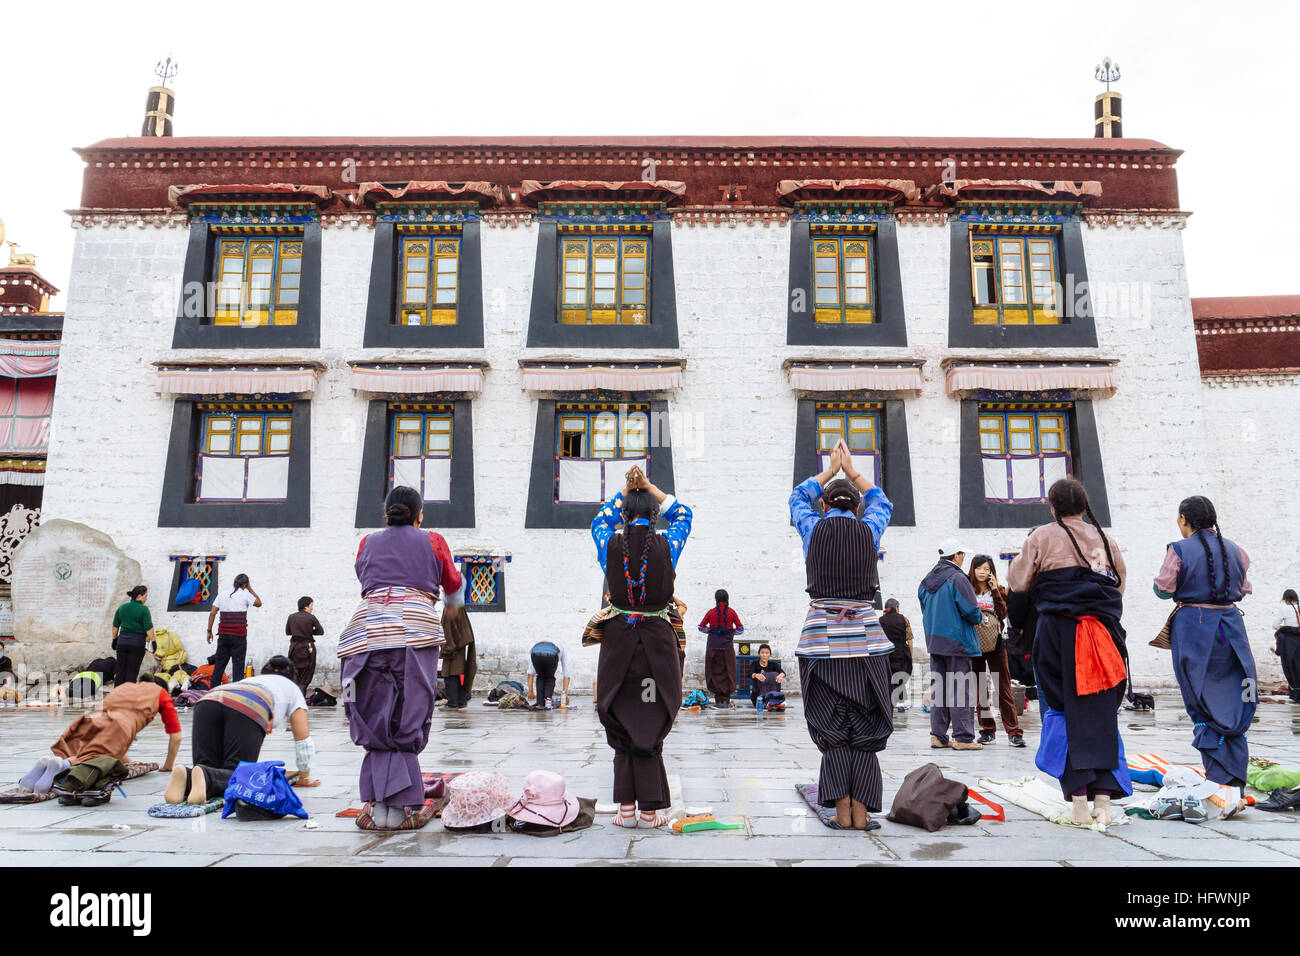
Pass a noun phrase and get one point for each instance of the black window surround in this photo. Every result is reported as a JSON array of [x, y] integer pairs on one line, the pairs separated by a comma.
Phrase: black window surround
[[1085, 465], [1078, 330], [194, 328], [895, 456], [545, 329], [179, 509], [383, 331], [543, 510], [177, 580], [890, 327], [373, 488], [500, 573]]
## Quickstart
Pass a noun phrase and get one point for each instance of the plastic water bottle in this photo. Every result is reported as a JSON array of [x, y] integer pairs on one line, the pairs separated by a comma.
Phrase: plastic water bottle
[[759, 705]]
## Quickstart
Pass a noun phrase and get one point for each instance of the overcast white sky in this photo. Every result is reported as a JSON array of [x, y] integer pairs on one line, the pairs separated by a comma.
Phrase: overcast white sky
[[1218, 81]]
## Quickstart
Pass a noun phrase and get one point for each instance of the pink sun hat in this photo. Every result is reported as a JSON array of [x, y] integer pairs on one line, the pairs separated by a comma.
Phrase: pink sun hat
[[545, 801], [476, 798]]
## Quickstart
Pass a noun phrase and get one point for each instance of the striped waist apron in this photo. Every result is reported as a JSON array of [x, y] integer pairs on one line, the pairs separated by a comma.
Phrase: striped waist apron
[[393, 617], [838, 627], [252, 702]]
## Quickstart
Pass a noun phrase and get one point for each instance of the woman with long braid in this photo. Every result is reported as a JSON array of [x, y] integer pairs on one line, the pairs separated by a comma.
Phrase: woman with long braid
[[1205, 574], [721, 625], [843, 652], [639, 671], [1072, 573]]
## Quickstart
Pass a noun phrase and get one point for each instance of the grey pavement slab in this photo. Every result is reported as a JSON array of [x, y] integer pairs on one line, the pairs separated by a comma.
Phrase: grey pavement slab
[[744, 767]]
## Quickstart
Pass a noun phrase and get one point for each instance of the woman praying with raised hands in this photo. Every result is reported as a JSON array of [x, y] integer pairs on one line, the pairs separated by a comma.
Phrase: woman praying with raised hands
[[639, 671], [843, 652]]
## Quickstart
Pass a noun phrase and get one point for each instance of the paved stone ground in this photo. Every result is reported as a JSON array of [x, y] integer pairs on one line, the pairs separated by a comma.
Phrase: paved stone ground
[[742, 765]]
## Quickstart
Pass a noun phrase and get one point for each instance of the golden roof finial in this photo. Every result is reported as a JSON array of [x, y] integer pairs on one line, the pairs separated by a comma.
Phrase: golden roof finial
[[20, 259]]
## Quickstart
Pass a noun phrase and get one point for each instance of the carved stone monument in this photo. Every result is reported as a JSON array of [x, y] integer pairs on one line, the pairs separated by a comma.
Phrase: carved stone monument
[[68, 580]]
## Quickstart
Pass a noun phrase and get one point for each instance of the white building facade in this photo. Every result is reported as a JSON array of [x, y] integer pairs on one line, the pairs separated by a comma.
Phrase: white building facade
[[724, 293]]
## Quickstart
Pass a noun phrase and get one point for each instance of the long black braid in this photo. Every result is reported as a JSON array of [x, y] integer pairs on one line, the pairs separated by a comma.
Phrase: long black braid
[[640, 504], [1198, 511], [1068, 498]]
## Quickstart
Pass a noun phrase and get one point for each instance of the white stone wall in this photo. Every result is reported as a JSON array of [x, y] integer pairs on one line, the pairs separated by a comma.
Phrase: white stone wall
[[732, 425], [1253, 467]]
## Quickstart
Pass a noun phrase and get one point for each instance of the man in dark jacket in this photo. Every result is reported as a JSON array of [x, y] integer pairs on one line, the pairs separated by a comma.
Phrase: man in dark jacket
[[899, 631], [950, 613]]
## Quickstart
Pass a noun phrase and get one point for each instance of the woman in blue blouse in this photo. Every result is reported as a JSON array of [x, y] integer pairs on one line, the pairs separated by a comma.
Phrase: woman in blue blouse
[[639, 672], [843, 652]]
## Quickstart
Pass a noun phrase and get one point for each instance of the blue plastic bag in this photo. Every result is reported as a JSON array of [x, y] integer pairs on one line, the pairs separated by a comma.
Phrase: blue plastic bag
[[263, 785], [188, 592]]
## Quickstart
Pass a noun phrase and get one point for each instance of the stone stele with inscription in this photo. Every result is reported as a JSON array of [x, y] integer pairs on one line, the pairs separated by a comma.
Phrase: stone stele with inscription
[[68, 580]]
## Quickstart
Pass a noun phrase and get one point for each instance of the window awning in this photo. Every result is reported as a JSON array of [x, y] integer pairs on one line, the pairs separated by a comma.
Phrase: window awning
[[872, 190], [22, 471], [855, 376], [483, 193], [393, 379], [236, 380], [22, 359], [610, 376], [265, 192], [1016, 189], [532, 192], [1030, 376]]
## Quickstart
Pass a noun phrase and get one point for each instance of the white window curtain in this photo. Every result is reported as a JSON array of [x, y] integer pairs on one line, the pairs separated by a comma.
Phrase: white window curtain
[[1055, 468], [430, 476], [437, 480], [1022, 477], [221, 478], [243, 478], [407, 471], [995, 480], [580, 480], [268, 478], [594, 480], [1026, 478]]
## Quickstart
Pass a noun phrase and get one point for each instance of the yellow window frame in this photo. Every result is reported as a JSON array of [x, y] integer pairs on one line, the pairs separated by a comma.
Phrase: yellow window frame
[[259, 279], [238, 425], [1058, 430], [992, 257], [421, 422], [833, 255], [438, 256], [587, 259], [996, 420], [629, 422], [992, 425]]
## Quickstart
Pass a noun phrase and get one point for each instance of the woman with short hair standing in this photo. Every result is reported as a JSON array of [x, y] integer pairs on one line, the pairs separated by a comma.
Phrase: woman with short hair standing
[[132, 631], [843, 651], [389, 657]]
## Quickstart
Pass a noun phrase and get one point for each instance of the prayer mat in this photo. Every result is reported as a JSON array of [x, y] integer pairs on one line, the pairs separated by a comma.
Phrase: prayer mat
[[429, 780], [18, 795], [169, 810], [1032, 794], [826, 814]]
